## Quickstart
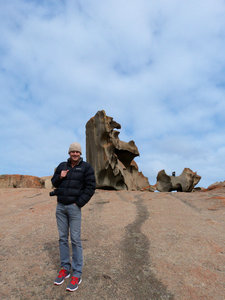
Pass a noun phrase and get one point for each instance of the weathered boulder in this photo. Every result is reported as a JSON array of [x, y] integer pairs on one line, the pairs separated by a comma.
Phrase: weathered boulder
[[47, 182], [216, 185], [112, 159], [20, 181], [183, 183]]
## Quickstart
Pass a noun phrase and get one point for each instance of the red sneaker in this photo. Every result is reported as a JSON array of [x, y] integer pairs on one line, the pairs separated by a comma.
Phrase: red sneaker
[[73, 285], [63, 273]]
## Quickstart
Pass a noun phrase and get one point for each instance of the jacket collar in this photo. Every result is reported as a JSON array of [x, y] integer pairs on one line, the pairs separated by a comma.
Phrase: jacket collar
[[79, 162]]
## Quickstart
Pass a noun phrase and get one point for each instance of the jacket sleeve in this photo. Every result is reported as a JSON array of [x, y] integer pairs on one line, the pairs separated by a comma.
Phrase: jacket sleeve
[[89, 186], [56, 180]]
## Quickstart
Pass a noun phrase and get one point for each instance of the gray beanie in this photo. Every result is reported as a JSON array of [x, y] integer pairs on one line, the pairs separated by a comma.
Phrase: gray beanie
[[75, 147]]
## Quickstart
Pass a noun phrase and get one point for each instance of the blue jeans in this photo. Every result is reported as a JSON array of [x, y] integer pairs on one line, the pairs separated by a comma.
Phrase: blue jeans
[[69, 219]]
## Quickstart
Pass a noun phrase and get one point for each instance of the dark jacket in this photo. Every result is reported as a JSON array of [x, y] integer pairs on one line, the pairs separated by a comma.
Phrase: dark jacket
[[78, 186]]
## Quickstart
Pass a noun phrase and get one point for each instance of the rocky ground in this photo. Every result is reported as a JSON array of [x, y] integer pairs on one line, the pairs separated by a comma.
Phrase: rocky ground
[[137, 245]]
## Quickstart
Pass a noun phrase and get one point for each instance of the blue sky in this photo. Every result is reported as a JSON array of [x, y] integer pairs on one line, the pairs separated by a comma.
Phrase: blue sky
[[157, 67]]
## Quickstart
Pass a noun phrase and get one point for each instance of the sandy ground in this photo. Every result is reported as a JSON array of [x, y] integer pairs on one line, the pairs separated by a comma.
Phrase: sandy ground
[[137, 245]]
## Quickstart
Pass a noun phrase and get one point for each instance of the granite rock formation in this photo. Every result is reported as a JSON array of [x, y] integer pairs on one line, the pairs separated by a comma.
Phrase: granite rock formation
[[162, 243], [20, 181], [112, 159], [47, 182], [216, 185], [182, 183]]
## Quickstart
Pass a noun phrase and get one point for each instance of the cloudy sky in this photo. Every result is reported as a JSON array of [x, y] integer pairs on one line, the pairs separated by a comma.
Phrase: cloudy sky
[[156, 66]]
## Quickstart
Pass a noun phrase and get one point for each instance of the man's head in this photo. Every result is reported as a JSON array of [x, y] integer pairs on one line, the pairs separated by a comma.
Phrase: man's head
[[75, 152], [75, 147]]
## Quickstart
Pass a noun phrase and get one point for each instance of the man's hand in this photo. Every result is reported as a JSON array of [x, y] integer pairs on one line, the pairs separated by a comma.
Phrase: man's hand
[[63, 173]]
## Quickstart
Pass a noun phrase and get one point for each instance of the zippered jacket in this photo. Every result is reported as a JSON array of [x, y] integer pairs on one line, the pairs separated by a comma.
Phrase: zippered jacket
[[78, 186]]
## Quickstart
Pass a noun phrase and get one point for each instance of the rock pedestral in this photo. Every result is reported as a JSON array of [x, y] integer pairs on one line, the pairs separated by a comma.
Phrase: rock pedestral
[[183, 183], [20, 181], [112, 159]]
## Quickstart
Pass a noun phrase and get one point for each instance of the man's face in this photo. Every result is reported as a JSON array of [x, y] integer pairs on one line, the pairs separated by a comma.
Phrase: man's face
[[74, 156]]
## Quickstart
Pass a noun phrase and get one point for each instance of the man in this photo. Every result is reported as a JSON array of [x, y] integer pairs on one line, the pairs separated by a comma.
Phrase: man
[[75, 185]]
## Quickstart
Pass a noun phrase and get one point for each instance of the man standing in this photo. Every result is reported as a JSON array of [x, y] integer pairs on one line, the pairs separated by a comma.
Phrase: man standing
[[75, 185]]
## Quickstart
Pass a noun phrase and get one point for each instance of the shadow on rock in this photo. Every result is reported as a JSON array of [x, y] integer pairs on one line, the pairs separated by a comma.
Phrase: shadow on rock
[[135, 247]]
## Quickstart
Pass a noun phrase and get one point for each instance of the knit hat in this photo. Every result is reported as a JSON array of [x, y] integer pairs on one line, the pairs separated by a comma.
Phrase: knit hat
[[75, 147]]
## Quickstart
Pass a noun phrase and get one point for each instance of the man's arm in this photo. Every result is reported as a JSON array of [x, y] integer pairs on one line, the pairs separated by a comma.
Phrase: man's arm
[[59, 174], [90, 185]]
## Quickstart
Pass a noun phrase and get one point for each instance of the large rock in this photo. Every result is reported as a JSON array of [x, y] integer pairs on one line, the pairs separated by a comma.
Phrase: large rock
[[47, 182], [20, 181], [183, 183], [112, 159], [216, 185]]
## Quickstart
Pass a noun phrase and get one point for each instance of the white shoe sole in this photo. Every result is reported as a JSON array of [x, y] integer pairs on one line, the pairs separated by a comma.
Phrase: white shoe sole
[[72, 290], [59, 283]]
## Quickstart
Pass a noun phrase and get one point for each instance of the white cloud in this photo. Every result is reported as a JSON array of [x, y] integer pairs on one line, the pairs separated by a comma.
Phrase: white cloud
[[156, 67]]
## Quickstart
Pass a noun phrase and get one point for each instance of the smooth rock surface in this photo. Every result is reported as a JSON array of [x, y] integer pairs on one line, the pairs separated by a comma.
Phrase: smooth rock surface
[[137, 245]]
